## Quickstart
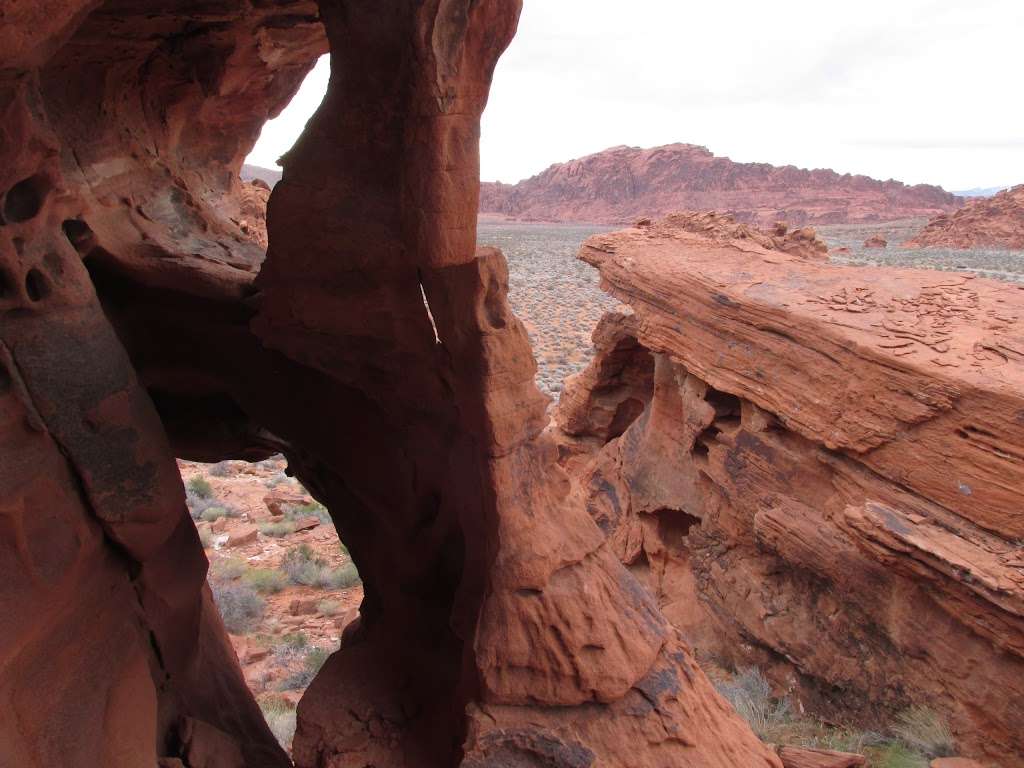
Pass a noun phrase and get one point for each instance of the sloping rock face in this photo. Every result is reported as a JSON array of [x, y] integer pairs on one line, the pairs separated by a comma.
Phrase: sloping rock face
[[373, 346], [817, 469], [622, 184], [986, 222]]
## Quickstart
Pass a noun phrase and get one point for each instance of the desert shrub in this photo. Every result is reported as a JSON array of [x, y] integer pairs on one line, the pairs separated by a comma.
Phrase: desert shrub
[[896, 756], [228, 568], [277, 529], [301, 565], [313, 509], [200, 486], [924, 731], [311, 663], [751, 696], [305, 568], [295, 640], [221, 469], [275, 479], [280, 717], [266, 581], [239, 605], [213, 513], [342, 577], [329, 607]]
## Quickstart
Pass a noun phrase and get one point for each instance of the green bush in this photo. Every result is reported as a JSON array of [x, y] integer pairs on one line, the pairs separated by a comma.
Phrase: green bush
[[266, 581], [329, 607], [239, 605], [342, 577], [280, 717], [200, 486], [313, 509], [925, 731], [221, 469], [896, 756], [213, 513], [228, 568], [311, 664], [305, 568], [278, 529], [750, 694]]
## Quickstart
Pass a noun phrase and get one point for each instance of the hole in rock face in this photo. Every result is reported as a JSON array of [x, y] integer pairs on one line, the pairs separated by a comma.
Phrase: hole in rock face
[[626, 413], [674, 526], [727, 407], [6, 285], [79, 235], [284, 584], [5, 380], [24, 200], [37, 287]]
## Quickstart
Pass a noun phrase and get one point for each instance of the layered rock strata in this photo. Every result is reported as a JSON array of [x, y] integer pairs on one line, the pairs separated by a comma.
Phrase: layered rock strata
[[817, 469], [374, 347], [986, 222]]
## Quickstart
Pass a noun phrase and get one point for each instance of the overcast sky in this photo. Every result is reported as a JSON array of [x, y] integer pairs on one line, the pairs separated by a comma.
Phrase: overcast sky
[[917, 90]]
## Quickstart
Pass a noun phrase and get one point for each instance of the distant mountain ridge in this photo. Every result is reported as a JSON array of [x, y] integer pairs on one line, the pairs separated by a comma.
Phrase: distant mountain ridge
[[269, 175], [980, 192], [622, 184]]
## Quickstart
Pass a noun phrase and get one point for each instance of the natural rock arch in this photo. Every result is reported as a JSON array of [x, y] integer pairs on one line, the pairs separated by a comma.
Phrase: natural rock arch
[[139, 323]]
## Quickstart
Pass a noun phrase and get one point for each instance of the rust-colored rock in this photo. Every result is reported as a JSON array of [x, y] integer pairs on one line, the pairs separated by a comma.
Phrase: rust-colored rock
[[141, 322], [984, 222], [622, 184], [806, 757], [824, 479], [954, 762], [303, 606], [876, 241], [242, 537], [306, 523]]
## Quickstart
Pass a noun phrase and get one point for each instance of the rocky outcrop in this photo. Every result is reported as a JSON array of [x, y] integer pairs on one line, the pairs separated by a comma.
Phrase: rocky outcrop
[[371, 343], [816, 469], [623, 184], [987, 222]]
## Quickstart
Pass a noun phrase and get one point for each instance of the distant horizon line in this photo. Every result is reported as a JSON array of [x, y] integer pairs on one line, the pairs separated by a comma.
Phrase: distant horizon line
[[976, 191]]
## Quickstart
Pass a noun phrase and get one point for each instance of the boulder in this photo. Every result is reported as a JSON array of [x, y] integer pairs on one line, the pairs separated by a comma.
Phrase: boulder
[[242, 537]]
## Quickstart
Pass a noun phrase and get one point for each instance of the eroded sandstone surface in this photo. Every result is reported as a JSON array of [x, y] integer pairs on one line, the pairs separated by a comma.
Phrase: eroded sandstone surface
[[622, 184], [816, 469], [985, 222], [371, 344]]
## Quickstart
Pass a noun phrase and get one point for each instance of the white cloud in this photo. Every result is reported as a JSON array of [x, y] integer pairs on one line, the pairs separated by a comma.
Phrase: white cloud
[[919, 90]]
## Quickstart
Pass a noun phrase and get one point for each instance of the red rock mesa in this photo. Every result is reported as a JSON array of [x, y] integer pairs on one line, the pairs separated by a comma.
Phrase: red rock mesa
[[622, 184]]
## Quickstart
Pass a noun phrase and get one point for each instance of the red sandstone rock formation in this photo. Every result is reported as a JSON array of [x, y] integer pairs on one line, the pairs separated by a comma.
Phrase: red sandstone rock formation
[[374, 347], [622, 184], [253, 211], [817, 469], [985, 222]]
